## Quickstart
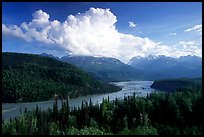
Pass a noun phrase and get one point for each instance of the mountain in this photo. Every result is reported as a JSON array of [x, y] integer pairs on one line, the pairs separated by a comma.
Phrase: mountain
[[49, 55], [104, 68], [161, 67], [29, 77]]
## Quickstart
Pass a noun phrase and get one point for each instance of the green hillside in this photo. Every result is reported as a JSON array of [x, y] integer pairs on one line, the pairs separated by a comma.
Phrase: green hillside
[[171, 85], [29, 77]]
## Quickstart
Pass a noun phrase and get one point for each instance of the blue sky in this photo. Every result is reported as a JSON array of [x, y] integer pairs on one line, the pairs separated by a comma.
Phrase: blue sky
[[159, 22]]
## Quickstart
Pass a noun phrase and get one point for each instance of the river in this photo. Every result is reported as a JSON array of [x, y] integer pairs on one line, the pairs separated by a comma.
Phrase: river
[[141, 88]]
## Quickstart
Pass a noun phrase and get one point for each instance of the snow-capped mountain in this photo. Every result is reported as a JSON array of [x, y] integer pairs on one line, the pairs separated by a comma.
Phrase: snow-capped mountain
[[104, 68], [139, 68], [159, 67]]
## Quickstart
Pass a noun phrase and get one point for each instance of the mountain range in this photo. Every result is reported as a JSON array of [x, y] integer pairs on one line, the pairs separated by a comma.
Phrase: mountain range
[[162, 67], [138, 68], [104, 68]]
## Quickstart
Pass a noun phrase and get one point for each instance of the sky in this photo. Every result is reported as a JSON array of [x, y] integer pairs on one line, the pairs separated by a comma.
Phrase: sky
[[120, 30]]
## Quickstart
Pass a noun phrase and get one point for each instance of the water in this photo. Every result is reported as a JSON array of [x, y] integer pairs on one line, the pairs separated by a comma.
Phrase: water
[[141, 88]]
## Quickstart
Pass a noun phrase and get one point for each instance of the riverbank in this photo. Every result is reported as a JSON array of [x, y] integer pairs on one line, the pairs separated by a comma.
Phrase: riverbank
[[128, 88]]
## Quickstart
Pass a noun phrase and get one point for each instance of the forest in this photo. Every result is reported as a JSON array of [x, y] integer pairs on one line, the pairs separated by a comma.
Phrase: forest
[[175, 113], [29, 77], [171, 85]]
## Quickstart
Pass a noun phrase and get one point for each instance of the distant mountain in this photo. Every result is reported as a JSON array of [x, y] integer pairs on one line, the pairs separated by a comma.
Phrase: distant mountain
[[30, 77], [104, 68], [161, 67], [50, 55]]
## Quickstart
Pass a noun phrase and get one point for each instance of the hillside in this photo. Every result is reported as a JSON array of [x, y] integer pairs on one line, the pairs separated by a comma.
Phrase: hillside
[[104, 68], [29, 77], [173, 85]]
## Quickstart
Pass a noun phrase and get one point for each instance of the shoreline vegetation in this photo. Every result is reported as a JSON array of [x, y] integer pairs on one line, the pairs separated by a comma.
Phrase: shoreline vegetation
[[171, 85], [26, 77], [176, 113]]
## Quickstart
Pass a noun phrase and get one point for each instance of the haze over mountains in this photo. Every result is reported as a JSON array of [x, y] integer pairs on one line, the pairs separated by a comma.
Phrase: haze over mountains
[[138, 68], [103, 68], [161, 67]]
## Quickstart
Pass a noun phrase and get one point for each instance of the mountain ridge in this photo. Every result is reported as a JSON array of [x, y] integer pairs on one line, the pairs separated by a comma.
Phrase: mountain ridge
[[105, 68], [151, 67], [168, 67]]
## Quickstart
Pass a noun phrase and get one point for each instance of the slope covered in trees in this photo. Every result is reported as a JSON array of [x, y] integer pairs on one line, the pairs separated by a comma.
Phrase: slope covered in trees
[[29, 77], [170, 85], [178, 113]]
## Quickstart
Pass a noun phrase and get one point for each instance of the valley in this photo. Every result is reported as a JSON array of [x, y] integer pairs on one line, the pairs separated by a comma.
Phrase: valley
[[44, 88], [102, 68], [139, 88]]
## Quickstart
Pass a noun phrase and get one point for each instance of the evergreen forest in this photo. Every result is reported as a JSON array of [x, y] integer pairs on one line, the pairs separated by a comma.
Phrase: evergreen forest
[[160, 113]]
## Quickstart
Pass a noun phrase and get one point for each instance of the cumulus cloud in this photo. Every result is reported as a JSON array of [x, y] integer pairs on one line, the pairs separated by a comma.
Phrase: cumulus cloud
[[40, 17], [91, 33], [15, 31], [188, 43], [132, 24], [191, 47], [197, 28], [172, 34]]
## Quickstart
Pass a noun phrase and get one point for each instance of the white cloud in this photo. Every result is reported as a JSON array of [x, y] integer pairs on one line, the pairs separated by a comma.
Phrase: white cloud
[[191, 47], [188, 43], [40, 17], [91, 33], [132, 24], [197, 28], [172, 34], [15, 31]]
